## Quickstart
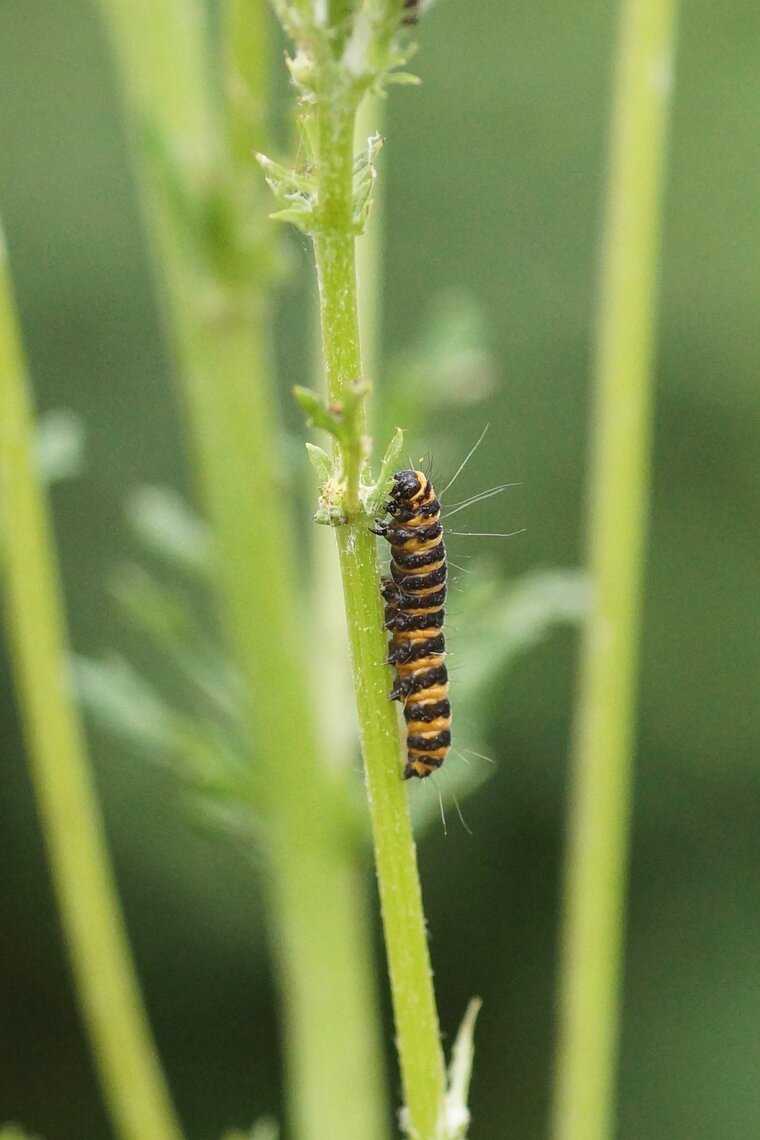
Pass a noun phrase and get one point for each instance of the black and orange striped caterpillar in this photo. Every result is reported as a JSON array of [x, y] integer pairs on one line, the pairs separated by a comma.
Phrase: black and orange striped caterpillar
[[415, 593]]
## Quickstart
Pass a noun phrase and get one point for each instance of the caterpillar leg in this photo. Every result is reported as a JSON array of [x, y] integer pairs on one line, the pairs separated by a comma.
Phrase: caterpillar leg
[[400, 689], [388, 589]]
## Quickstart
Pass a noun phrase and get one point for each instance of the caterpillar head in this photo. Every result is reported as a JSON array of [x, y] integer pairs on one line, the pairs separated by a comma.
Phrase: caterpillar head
[[406, 484]]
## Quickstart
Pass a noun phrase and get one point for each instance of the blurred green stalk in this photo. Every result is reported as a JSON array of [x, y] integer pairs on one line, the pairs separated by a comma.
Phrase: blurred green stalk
[[133, 1084], [597, 852], [313, 881], [220, 326]]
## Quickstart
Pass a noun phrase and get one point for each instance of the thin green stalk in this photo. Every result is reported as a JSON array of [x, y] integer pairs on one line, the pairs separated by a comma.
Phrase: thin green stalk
[[414, 1008], [334, 245], [337, 696], [369, 247], [417, 1030], [220, 320], [133, 1084], [597, 855]]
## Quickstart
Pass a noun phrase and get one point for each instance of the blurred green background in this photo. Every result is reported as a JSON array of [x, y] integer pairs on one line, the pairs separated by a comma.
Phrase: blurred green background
[[493, 176]]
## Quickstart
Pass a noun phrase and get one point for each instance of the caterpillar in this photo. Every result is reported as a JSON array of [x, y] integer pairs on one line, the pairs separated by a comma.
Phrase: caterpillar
[[415, 593]]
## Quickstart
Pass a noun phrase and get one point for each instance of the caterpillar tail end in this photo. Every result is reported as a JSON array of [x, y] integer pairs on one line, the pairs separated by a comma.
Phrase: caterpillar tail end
[[417, 769]]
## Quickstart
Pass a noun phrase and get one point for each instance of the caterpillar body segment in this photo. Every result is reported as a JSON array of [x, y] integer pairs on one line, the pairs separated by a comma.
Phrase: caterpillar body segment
[[414, 595]]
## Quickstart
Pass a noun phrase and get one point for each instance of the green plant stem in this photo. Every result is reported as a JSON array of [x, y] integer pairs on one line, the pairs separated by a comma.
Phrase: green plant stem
[[334, 245], [131, 1077], [320, 927], [369, 247], [336, 705], [417, 1031], [597, 855], [415, 1014], [318, 920]]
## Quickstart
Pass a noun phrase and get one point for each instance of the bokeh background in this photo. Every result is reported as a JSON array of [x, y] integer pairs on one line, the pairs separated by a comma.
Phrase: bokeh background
[[493, 172]]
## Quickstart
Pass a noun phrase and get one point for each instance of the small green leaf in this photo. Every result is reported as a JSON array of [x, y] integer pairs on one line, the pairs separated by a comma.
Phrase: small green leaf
[[320, 461], [295, 193], [307, 133], [364, 179], [377, 494], [300, 216], [284, 181], [308, 401], [403, 78], [329, 419], [392, 453], [337, 419], [460, 1072]]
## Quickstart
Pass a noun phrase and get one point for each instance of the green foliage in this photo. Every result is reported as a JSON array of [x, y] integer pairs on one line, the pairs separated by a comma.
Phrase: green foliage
[[493, 176], [204, 743], [499, 625], [167, 527], [320, 461], [264, 1129], [60, 448], [448, 365], [342, 420], [295, 194], [389, 464], [60, 445]]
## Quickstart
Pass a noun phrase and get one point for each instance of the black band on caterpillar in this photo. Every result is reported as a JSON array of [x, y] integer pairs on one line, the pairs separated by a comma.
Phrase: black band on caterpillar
[[409, 560], [420, 743], [424, 647], [426, 511], [399, 619], [427, 712], [397, 535], [419, 682], [414, 582], [406, 601], [414, 605]]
